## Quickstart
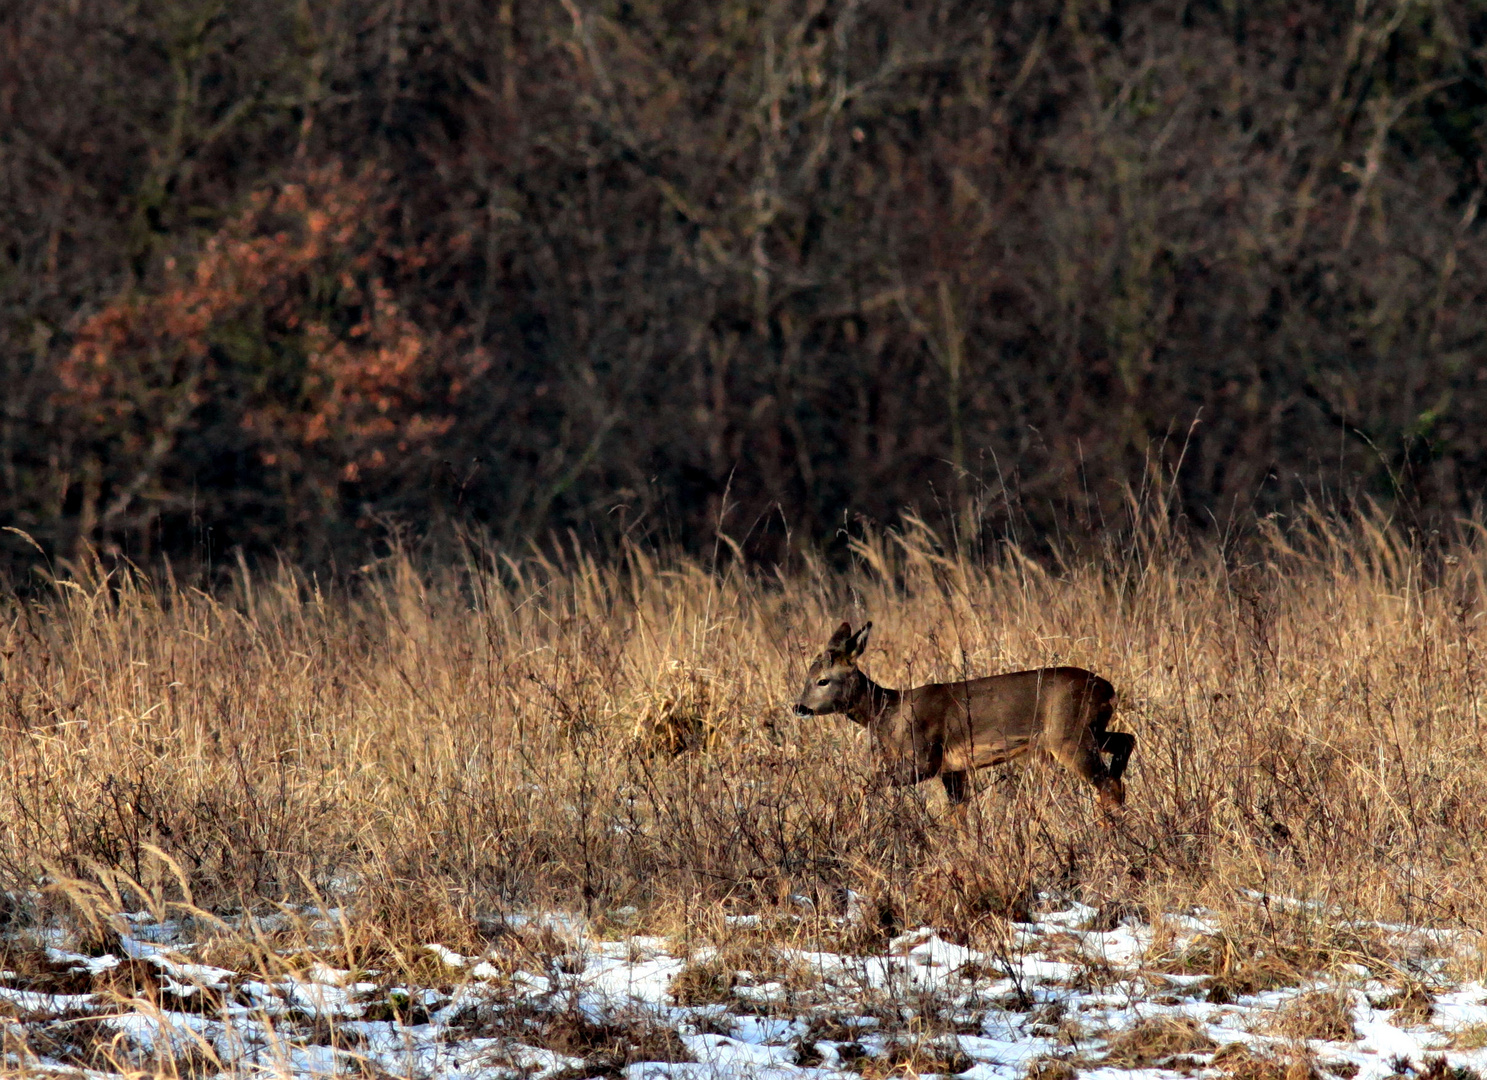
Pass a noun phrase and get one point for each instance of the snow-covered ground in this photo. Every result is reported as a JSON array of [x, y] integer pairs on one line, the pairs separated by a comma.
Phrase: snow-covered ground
[[1059, 999]]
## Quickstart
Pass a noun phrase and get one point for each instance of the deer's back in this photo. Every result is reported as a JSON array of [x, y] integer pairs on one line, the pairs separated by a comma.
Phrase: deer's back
[[985, 721]]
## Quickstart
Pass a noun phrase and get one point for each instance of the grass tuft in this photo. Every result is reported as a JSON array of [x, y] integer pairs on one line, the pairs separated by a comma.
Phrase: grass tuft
[[1438, 1068], [1318, 1014], [1412, 1005], [1152, 1040], [1236, 1061], [1050, 1068], [756, 972]]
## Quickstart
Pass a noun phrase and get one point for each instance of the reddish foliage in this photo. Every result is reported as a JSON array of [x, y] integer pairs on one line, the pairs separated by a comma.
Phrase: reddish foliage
[[286, 314]]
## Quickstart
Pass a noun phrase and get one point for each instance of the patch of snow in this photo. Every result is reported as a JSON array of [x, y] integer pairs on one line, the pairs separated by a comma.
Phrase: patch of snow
[[999, 997], [93, 965], [448, 957], [643, 980], [38, 1004]]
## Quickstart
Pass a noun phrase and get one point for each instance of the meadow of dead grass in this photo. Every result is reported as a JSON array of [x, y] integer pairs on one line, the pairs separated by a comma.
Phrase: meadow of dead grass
[[434, 750]]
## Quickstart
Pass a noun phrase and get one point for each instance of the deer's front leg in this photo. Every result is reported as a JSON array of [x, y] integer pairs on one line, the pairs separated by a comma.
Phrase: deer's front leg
[[906, 770]]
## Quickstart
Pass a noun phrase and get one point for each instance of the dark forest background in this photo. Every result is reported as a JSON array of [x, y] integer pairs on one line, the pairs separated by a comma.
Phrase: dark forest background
[[287, 275]]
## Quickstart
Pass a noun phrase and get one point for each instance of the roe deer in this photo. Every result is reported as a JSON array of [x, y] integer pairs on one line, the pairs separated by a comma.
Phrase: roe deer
[[949, 729]]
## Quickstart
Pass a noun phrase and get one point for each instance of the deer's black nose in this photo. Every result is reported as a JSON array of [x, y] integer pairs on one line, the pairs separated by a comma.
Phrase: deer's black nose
[[801, 710]]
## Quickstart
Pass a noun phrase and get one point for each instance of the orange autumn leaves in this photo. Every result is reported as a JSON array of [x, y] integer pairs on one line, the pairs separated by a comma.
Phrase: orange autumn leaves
[[283, 326]]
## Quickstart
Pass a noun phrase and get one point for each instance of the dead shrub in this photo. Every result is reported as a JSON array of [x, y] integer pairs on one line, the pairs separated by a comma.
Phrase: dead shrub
[[912, 1057], [963, 890], [396, 1006], [395, 910], [1469, 1037], [1154, 1039], [677, 715], [717, 977], [1053, 1021], [705, 982], [1235, 970], [1236, 1061], [607, 1046], [1438, 1068], [93, 1043], [537, 948], [807, 1054], [831, 1027], [1319, 1014], [1050, 1068], [1263, 949], [1412, 1005], [876, 919], [28, 966]]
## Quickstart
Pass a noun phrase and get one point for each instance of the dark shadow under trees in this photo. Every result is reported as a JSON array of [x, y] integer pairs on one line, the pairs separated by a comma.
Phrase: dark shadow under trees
[[622, 267]]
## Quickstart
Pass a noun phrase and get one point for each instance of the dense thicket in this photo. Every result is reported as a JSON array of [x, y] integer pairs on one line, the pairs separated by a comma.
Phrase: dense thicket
[[283, 274]]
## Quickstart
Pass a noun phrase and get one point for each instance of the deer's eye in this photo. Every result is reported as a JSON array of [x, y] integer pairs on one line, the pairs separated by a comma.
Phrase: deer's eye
[[823, 682]]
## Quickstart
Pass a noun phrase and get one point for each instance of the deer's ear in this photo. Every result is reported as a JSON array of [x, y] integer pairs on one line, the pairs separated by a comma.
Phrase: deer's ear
[[858, 642], [839, 639]]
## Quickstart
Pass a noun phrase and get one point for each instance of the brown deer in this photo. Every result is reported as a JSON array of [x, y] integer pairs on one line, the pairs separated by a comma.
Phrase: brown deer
[[949, 729]]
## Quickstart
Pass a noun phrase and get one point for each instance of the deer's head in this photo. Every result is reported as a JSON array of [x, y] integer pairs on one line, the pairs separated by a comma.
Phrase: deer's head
[[833, 682]]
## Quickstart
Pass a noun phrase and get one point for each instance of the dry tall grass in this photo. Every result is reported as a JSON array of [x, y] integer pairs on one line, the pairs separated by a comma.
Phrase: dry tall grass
[[435, 749]]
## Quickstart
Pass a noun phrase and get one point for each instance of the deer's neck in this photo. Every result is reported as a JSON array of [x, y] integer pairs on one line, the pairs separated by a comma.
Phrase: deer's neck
[[871, 702]]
